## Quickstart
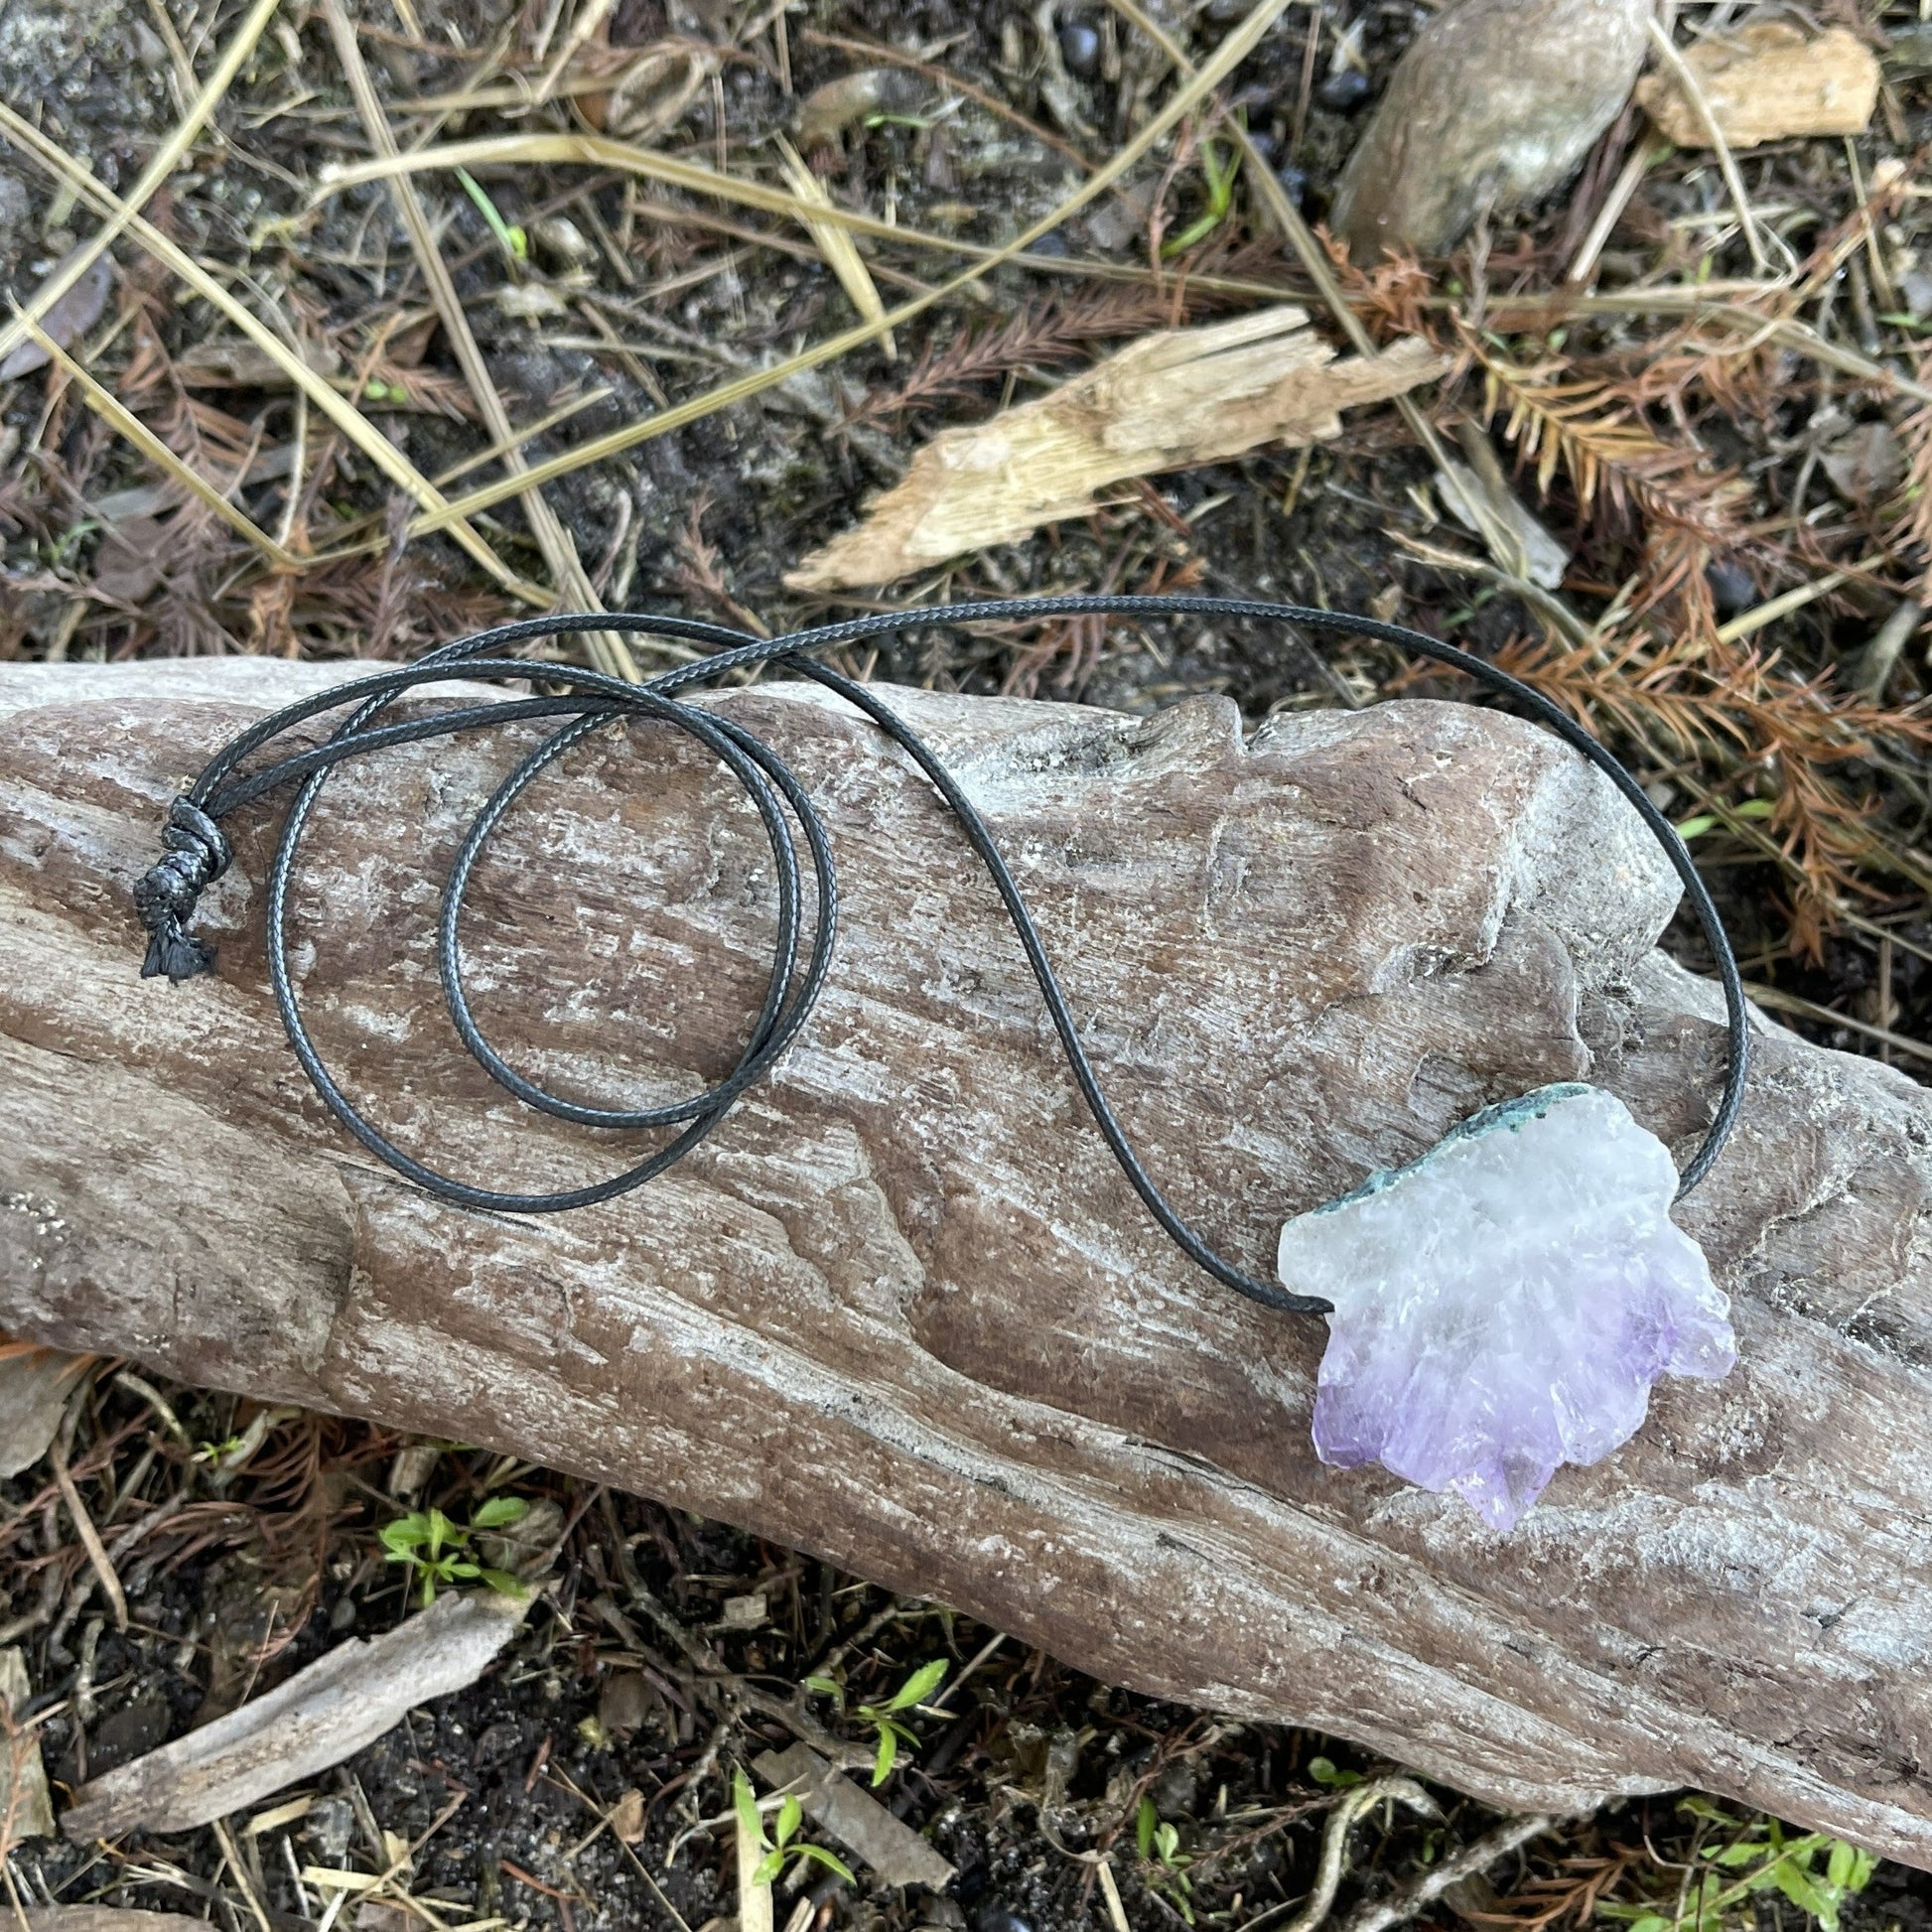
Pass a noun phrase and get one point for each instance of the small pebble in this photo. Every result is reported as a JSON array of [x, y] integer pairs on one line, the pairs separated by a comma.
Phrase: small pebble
[[1080, 49], [991, 1915], [1344, 90], [1053, 245], [1262, 143], [1731, 589], [1295, 183]]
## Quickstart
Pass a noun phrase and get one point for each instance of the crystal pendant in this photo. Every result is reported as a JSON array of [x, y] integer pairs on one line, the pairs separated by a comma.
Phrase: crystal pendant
[[1503, 1304]]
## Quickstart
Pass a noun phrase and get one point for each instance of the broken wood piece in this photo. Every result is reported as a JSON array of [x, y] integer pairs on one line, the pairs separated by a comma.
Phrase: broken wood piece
[[901, 1308], [25, 1810], [1766, 80], [1171, 401], [35, 1384], [323, 1713], [896, 1854]]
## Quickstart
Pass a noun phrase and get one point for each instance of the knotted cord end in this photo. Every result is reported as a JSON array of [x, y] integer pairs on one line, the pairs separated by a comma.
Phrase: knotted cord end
[[193, 856]]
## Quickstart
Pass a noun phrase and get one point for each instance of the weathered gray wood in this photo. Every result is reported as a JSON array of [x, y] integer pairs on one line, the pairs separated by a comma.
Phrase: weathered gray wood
[[903, 1310], [321, 1715]]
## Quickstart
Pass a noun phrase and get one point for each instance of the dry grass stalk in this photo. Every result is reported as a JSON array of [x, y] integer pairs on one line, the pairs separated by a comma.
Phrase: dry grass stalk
[[1705, 116], [606, 648], [1169, 402], [166, 159], [1199, 83], [191, 482], [840, 252], [361, 432], [1766, 80]]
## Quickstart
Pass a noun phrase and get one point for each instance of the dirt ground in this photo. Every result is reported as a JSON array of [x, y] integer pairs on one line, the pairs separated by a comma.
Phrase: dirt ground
[[1702, 468]]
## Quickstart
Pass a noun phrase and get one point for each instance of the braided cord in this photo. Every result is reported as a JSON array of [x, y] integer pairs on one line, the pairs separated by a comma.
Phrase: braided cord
[[195, 852]]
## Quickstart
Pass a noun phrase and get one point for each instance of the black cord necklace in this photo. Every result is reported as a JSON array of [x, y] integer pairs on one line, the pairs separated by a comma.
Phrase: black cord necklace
[[197, 853]]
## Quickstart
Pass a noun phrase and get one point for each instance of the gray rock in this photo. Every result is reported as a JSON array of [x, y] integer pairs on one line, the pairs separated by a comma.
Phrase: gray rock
[[1493, 103]]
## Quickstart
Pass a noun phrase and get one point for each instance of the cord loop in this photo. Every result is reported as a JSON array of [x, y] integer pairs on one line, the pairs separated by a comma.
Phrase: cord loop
[[585, 701]]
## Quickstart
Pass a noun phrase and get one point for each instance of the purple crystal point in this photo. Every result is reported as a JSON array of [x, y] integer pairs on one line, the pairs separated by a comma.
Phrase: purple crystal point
[[1504, 1304]]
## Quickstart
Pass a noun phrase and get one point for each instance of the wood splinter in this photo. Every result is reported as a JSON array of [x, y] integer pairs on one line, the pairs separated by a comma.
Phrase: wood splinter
[[1171, 401]]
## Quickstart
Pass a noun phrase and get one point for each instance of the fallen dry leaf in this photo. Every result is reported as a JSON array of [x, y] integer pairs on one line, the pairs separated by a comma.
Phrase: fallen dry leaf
[[35, 1384], [26, 1812], [1865, 464], [1169, 402], [1767, 81], [628, 1817], [71, 317]]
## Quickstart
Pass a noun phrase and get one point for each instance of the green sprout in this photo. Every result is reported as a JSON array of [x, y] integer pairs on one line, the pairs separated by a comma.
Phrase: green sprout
[[1695, 828], [516, 243], [1816, 1873], [883, 1717], [1220, 199], [1159, 1844], [1325, 1773], [431, 1546], [783, 1846]]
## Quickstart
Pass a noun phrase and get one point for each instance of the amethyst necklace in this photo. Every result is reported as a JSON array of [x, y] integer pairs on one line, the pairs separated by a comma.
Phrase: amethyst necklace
[[1497, 1307]]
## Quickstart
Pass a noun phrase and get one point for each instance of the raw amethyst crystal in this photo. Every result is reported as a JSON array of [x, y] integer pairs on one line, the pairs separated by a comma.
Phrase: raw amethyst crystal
[[1504, 1304]]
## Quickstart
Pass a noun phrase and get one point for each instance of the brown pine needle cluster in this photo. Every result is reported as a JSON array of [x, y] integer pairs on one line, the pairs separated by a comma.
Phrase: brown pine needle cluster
[[1053, 333], [1735, 721], [1612, 457]]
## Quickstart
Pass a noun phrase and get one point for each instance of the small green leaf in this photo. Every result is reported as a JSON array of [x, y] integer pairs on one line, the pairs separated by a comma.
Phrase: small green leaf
[[403, 1536], [503, 1583], [1858, 1867], [1695, 828], [769, 1868], [919, 1686], [789, 1813], [1324, 1772], [881, 1768], [516, 243], [1145, 1820], [824, 1687], [829, 1860], [443, 1534], [499, 1512], [1805, 1893]]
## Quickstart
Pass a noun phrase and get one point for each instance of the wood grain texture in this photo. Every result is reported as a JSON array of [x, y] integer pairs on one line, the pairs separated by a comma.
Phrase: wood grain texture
[[308, 1724], [1767, 81], [901, 1309]]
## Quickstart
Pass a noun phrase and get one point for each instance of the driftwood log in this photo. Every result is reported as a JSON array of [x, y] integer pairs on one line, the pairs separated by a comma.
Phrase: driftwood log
[[901, 1309]]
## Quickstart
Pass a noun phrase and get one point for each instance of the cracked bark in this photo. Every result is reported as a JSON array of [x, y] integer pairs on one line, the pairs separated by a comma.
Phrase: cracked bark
[[901, 1309]]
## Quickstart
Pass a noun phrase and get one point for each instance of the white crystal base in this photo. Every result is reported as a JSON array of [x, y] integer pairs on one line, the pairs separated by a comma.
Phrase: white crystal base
[[1503, 1304]]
